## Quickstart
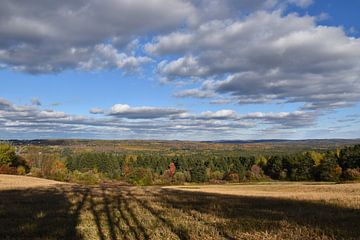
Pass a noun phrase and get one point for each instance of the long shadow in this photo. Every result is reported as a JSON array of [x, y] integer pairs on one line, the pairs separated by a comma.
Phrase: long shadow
[[254, 214], [181, 233], [170, 204], [122, 216], [96, 213], [134, 218], [109, 215], [43, 213], [82, 195]]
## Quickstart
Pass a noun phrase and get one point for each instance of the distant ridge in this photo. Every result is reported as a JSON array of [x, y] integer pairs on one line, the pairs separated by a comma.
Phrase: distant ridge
[[283, 140], [43, 142]]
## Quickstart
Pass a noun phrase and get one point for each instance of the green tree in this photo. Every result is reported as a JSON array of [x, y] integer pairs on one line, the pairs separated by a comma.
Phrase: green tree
[[274, 167], [328, 170], [349, 157], [198, 172], [7, 155]]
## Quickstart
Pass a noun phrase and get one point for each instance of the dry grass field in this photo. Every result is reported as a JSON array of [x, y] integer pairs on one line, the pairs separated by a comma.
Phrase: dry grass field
[[18, 182], [342, 195], [120, 211]]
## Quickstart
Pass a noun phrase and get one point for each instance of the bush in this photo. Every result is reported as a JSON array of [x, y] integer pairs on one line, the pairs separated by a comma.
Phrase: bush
[[7, 155], [35, 172], [21, 170], [216, 175], [255, 173], [179, 177], [140, 176], [90, 177], [351, 174], [232, 177], [5, 169], [199, 172], [58, 171]]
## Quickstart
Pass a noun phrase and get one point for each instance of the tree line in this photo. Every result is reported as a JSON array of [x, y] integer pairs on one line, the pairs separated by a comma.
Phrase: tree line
[[156, 168]]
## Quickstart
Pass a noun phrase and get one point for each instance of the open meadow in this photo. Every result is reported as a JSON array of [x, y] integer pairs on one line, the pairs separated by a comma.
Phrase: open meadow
[[117, 210]]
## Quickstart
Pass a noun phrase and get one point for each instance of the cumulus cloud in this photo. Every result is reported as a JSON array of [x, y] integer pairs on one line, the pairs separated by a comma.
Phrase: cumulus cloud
[[294, 119], [42, 36], [124, 121], [96, 111], [220, 114], [145, 112], [301, 3], [4, 104], [268, 57], [195, 93]]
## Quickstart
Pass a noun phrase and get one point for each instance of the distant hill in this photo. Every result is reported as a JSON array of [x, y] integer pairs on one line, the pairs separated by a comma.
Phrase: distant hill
[[263, 146]]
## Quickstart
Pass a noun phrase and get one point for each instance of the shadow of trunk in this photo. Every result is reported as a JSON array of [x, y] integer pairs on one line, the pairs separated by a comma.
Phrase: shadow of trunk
[[44, 213]]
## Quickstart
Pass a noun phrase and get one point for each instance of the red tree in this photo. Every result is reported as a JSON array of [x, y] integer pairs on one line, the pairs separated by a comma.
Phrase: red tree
[[172, 169]]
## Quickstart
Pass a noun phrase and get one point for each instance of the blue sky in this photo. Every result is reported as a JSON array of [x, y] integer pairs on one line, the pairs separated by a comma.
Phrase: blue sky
[[180, 69]]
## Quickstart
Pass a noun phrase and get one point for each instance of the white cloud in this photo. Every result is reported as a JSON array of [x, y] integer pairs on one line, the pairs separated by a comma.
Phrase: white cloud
[[301, 3], [268, 57], [97, 110], [144, 112], [43, 37], [142, 122], [195, 93], [221, 114]]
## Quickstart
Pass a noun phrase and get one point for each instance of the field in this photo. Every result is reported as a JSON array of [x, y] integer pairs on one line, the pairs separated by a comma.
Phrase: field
[[116, 210]]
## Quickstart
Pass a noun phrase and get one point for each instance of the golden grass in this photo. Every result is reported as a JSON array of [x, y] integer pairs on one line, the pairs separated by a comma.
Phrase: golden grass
[[119, 211], [18, 182], [344, 195]]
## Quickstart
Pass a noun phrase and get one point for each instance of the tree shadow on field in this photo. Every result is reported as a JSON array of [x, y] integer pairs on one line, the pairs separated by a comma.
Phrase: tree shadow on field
[[40, 213], [255, 214], [127, 212]]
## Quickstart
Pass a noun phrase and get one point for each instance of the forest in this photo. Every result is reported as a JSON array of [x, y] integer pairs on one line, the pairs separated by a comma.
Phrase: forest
[[178, 167]]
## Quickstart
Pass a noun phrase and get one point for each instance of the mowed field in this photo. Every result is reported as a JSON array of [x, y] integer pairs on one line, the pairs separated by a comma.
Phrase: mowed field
[[120, 211]]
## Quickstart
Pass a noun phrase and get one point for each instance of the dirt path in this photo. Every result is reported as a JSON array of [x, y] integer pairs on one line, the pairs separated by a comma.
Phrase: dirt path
[[16, 182]]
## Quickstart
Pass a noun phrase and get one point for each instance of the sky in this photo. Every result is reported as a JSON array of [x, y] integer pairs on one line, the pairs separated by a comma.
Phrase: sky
[[179, 69]]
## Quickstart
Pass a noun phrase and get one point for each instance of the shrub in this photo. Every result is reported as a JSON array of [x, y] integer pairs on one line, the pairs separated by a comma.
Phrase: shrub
[[90, 177], [35, 172], [255, 173], [5, 169], [232, 177], [216, 175], [21, 170], [199, 173], [187, 176], [58, 171], [140, 176], [7, 155], [351, 174], [179, 177]]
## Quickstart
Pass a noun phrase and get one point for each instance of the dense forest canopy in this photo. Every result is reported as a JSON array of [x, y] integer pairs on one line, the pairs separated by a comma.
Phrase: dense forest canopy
[[180, 164]]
